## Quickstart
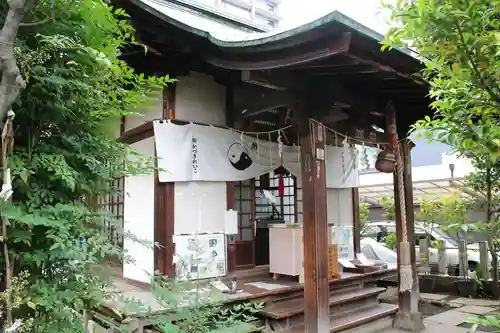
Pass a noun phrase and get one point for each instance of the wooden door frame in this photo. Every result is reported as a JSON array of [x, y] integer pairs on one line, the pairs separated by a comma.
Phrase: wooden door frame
[[251, 242]]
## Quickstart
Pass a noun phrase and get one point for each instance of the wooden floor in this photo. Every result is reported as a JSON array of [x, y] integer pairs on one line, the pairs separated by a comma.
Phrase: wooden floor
[[256, 283], [283, 298], [248, 282], [355, 319]]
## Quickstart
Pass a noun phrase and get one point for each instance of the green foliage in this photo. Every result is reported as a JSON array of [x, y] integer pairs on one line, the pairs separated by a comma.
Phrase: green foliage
[[459, 43], [364, 209], [66, 154], [198, 307], [430, 212], [388, 206], [490, 322], [390, 240], [455, 212]]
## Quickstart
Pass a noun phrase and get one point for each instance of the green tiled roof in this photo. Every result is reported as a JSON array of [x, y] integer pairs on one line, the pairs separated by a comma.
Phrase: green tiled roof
[[226, 34]]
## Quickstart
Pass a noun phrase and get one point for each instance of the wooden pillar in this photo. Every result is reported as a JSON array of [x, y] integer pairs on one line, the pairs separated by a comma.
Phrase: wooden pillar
[[408, 317], [356, 221], [315, 231], [164, 206]]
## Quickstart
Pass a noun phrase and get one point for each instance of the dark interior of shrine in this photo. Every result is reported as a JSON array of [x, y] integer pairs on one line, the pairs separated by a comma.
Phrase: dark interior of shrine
[[333, 72]]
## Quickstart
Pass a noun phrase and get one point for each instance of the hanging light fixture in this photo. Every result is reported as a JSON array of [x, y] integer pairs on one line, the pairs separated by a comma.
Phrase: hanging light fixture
[[386, 160]]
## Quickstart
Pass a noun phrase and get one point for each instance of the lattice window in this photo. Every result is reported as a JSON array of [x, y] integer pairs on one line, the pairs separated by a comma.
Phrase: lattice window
[[244, 201], [298, 188], [114, 204], [286, 205]]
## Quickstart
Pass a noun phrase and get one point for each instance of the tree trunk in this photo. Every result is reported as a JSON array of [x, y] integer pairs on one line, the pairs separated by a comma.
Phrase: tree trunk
[[494, 267], [492, 246], [12, 81], [11, 85]]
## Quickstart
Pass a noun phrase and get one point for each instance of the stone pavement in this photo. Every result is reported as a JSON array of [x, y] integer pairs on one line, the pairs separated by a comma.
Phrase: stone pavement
[[453, 319]]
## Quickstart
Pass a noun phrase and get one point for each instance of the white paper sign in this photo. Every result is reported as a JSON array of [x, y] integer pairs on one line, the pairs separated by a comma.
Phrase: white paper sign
[[231, 222], [200, 256]]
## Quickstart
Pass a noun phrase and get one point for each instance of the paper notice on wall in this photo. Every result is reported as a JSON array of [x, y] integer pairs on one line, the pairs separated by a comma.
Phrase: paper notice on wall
[[231, 222]]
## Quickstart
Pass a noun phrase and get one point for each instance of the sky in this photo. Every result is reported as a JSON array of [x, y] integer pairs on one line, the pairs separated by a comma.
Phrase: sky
[[366, 12]]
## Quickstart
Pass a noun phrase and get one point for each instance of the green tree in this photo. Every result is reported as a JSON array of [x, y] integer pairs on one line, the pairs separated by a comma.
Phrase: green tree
[[364, 209], [485, 182], [65, 155], [388, 206], [459, 43]]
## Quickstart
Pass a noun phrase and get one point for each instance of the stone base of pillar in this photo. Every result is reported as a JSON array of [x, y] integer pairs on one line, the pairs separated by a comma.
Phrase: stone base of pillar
[[412, 322]]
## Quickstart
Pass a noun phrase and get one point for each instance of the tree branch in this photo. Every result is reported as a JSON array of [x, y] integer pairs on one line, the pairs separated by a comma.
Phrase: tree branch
[[32, 24], [474, 67], [51, 18]]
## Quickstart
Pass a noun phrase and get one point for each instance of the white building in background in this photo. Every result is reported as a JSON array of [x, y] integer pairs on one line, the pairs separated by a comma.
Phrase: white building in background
[[261, 14]]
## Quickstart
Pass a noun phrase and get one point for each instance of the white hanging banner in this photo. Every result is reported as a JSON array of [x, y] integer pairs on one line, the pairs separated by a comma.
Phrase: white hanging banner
[[204, 153]]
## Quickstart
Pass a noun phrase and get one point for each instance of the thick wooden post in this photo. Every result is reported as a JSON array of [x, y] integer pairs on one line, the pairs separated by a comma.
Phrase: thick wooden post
[[315, 231], [356, 221], [164, 206], [409, 317]]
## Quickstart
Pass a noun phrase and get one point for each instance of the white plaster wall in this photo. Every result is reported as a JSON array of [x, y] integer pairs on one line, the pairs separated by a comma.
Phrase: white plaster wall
[[198, 98], [200, 207], [339, 206], [139, 220], [153, 109]]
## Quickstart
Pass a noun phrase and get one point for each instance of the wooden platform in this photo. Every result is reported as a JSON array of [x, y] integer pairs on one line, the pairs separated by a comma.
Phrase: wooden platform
[[283, 300], [355, 319], [246, 280], [353, 299], [284, 309]]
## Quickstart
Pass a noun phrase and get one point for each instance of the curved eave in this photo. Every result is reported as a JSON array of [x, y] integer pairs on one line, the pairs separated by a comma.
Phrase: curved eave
[[227, 35]]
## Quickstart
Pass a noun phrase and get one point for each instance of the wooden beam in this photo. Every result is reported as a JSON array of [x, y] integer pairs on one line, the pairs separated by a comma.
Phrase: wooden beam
[[254, 101], [416, 318], [356, 220], [164, 206], [287, 58], [408, 317], [138, 133], [385, 68], [323, 64], [315, 231], [275, 80], [403, 300]]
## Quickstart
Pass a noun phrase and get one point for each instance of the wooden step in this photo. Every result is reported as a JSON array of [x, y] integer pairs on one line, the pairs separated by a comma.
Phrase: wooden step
[[290, 308], [355, 319]]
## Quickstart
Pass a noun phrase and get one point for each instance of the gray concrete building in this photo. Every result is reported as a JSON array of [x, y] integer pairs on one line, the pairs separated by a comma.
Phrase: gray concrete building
[[263, 13]]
